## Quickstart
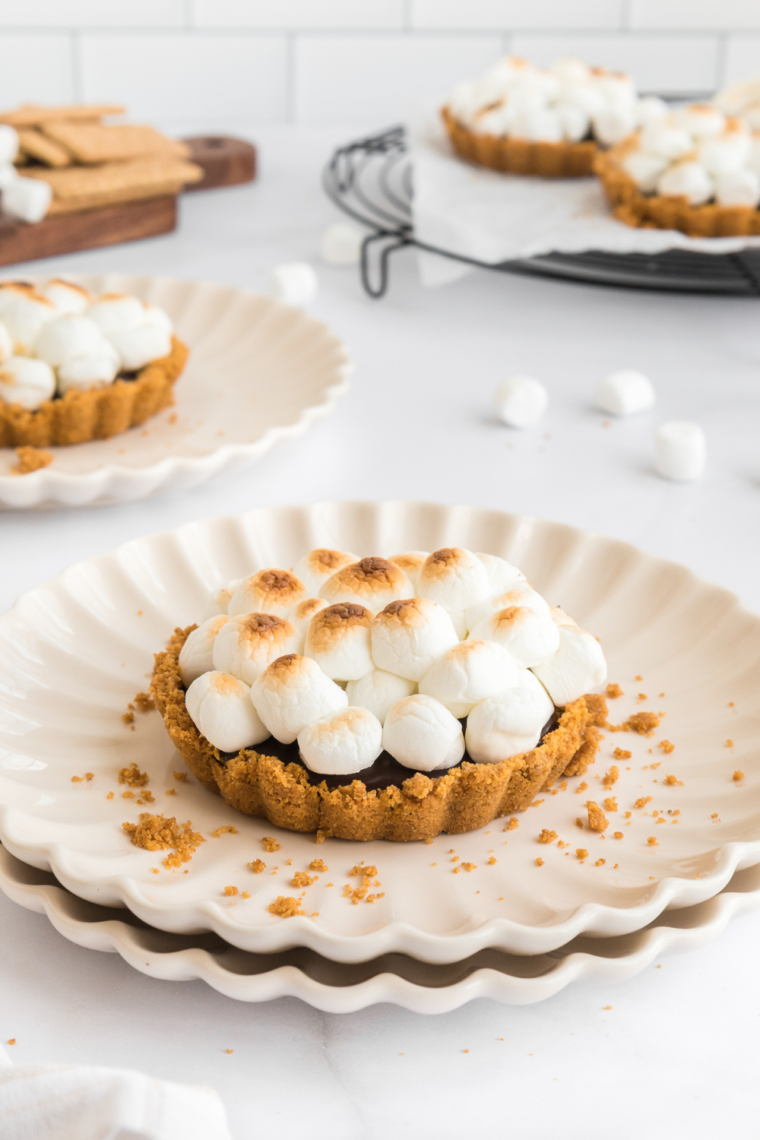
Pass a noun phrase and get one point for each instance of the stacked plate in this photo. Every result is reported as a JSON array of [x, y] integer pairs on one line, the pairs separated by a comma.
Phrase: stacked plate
[[520, 923]]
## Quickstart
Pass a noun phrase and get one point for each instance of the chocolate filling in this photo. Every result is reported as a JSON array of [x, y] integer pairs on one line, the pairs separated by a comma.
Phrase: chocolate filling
[[384, 773]]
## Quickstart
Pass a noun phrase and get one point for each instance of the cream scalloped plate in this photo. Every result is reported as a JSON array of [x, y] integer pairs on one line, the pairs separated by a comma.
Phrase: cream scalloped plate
[[75, 651], [259, 372], [344, 988]]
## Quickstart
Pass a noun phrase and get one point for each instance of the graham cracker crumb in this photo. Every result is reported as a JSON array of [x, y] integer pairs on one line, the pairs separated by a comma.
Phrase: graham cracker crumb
[[11, 1041], [180, 776], [539, 862], [284, 906], [133, 776], [638, 677], [652, 840], [600, 862], [581, 853], [128, 717], [228, 829], [738, 775], [536, 803], [171, 791], [257, 866], [672, 780], [547, 836], [643, 801], [246, 895], [301, 879], [146, 797], [318, 865], [611, 777], [614, 691], [231, 890], [270, 844], [30, 459], [666, 746], [610, 804], [644, 723], [597, 820], [621, 754], [144, 701], [729, 744], [513, 823], [155, 833], [127, 795], [321, 835], [81, 779], [490, 862], [617, 835], [581, 788], [470, 866], [360, 869], [109, 796]]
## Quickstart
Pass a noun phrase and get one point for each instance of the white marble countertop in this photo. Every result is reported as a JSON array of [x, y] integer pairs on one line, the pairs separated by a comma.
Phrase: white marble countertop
[[676, 1053]]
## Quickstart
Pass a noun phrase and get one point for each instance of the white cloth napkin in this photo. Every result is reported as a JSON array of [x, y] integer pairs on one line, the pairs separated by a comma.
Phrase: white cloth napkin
[[80, 1102], [496, 217]]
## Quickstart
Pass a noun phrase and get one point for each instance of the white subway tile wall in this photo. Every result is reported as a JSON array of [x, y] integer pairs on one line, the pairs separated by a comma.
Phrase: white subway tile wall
[[363, 61]]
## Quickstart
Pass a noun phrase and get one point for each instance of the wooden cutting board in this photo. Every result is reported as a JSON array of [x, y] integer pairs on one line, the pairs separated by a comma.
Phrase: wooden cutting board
[[225, 161]]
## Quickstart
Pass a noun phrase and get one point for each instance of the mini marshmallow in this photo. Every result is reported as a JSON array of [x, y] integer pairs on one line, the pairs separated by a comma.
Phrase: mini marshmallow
[[157, 318], [293, 692], [617, 87], [735, 98], [220, 708], [339, 640], [738, 188], [371, 582], [649, 108], [66, 296], [575, 121], [301, 616], [499, 121], [221, 600], [584, 94], [197, 654], [115, 312], [269, 592], [528, 636], [571, 70], [27, 199], [520, 594], [342, 244], [453, 577], [468, 673], [294, 284], [507, 724], [644, 169], [502, 575], [625, 393], [409, 636], [86, 372], [521, 401], [345, 742], [526, 101], [8, 143], [8, 174], [699, 119], [24, 311], [680, 450], [420, 733], [68, 337], [138, 346], [614, 124], [726, 152], [26, 382], [6, 344], [411, 563], [247, 643], [688, 180], [318, 565], [561, 618], [578, 667], [539, 125], [662, 137], [378, 691]]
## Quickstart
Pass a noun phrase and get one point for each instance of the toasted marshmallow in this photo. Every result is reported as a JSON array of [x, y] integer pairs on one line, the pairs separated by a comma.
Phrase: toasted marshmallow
[[378, 691], [293, 692], [66, 296], [468, 673], [157, 318], [583, 93], [502, 575], [578, 666], [339, 640], [497, 120], [269, 592], [115, 312], [625, 393], [6, 344], [411, 563], [507, 724], [318, 565], [528, 636], [24, 311], [561, 618], [301, 616], [574, 120], [520, 401], [688, 180], [738, 188], [370, 582], [409, 636], [644, 169], [649, 108], [8, 143], [248, 643], [294, 283], [26, 382], [420, 733], [220, 708], [521, 594], [197, 654], [663, 137], [221, 600], [68, 337], [27, 198], [138, 346], [542, 124], [723, 153], [341, 743], [571, 70], [453, 577], [735, 98], [526, 101], [700, 120], [680, 450], [86, 372], [614, 124], [342, 244]]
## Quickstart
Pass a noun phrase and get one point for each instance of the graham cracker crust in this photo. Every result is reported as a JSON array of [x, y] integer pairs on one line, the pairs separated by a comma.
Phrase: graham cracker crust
[[461, 799], [655, 211], [98, 414], [520, 156]]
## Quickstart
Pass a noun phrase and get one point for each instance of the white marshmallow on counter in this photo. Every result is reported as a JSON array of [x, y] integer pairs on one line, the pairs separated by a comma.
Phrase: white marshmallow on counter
[[521, 401], [625, 393], [66, 296], [6, 344], [578, 667], [529, 637], [342, 244], [370, 582], [409, 636], [378, 691], [420, 733], [220, 708], [688, 180], [644, 169], [507, 724], [614, 124], [411, 562], [468, 673], [502, 575], [27, 199], [649, 108], [197, 654], [26, 381], [295, 283], [138, 346], [115, 312], [661, 136], [520, 594], [339, 640], [24, 311], [453, 577], [341, 743], [680, 450], [8, 174], [70, 336], [293, 692], [318, 565], [738, 188], [8, 143], [270, 591], [247, 643]]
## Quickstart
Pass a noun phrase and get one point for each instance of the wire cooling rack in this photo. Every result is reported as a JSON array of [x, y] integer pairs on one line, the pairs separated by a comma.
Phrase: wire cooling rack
[[371, 180]]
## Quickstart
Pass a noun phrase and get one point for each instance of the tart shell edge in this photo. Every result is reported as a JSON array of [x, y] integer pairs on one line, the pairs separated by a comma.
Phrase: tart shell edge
[[521, 156]]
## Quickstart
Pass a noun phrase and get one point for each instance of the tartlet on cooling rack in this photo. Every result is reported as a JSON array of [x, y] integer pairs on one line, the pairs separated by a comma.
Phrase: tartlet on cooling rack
[[382, 698], [74, 367]]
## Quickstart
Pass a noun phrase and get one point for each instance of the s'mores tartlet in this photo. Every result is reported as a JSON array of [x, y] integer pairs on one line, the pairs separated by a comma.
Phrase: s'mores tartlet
[[76, 367], [382, 698], [550, 121], [697, 170]]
